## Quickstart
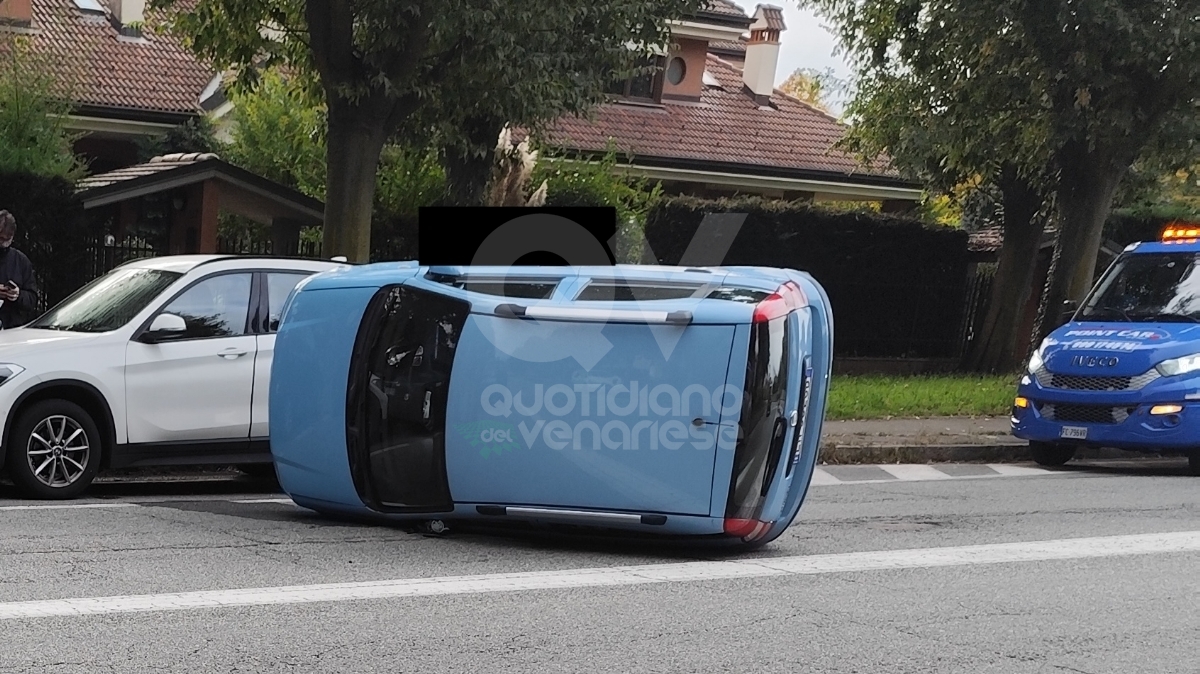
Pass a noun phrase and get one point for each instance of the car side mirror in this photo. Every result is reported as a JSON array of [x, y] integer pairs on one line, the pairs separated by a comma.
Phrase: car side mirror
[[1069, 307], [164, 327]]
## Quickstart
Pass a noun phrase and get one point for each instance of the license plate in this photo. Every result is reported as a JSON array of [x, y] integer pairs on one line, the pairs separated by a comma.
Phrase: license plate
[[1074, 432]]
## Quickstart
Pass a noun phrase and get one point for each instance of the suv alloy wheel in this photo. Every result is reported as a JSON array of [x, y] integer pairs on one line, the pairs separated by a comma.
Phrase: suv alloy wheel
[[54, 450]]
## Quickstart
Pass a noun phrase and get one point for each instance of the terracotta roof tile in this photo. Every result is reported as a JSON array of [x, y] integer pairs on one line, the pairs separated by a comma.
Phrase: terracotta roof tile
[[772, 16], [726, 126], [725, 46], [153, 73], [725, 7], [158, 164], [988, 239]]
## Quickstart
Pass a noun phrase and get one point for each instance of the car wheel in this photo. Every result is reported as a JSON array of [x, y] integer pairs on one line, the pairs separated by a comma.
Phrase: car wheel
[[1194, 462], [1050, 454], [53, 450]]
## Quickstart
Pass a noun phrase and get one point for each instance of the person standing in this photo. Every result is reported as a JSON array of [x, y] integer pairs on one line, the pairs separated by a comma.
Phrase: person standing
[[18, 288]]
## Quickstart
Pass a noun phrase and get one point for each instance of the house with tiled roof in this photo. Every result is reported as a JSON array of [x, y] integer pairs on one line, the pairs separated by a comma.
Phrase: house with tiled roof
[[710, 121], [128, 82]]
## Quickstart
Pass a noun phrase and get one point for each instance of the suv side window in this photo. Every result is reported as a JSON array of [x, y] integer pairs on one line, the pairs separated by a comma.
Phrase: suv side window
[[218, 306], [279, 286]]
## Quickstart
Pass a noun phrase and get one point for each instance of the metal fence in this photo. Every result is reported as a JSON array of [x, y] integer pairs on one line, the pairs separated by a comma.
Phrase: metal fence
[[979, 292], [248, 246]]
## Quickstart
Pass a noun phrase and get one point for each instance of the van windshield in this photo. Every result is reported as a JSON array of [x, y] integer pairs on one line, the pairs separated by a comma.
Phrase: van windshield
[[109, 302], [1148, 287]]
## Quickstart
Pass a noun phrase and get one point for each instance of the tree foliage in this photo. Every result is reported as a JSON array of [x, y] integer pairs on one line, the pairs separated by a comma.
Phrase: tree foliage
[[1055, 97], [277, 130], [34, 103], [408, 70], [814, 87]]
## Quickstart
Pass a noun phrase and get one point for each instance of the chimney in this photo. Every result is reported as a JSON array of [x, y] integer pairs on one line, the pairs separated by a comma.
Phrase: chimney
[[128, 15], [16, 12], [762, 53]]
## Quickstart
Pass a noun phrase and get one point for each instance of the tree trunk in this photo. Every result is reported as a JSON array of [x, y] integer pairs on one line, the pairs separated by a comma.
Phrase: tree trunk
[[994, 350], [469, 164], [1087, 183], [356, 139]]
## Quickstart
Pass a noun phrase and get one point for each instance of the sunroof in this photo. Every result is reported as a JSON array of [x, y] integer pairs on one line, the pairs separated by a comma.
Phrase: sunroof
[[92, 6]]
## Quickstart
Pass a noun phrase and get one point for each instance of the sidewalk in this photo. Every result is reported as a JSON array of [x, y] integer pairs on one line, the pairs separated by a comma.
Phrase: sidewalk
[[930, 440]]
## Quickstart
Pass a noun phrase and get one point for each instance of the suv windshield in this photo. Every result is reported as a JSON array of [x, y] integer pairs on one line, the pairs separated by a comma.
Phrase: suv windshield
[[109, 302], [1157, 287]]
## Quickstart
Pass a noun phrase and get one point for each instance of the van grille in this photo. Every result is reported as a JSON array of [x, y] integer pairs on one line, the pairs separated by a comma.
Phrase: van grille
[[1086, 414], [1073, 382]]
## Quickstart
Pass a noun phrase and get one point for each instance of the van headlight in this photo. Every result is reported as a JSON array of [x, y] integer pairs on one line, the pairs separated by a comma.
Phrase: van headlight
[[1035, 361], [8, 371], [1184, 365]]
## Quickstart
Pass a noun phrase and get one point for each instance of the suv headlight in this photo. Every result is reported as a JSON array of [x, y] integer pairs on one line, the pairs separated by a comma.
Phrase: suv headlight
[[1184, 365], [8, 371]]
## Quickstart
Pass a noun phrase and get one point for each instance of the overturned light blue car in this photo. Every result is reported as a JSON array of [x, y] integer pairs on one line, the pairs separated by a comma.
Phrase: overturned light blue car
[[641, 400], [1124, 372]]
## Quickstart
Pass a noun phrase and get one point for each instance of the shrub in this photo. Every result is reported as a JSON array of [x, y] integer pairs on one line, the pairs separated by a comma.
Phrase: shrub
[[573, 180], [1124, 226], [897, 284]]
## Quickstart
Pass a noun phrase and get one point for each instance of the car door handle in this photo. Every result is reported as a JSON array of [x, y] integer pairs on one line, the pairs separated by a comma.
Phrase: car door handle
[[232, 353]]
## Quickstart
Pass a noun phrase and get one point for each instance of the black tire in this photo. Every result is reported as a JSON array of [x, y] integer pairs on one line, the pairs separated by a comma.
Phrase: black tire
[[67, 470], [1050, 454], [1194, 462]]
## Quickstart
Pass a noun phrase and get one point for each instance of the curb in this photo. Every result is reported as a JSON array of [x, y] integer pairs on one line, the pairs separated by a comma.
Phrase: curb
[[997, 453]]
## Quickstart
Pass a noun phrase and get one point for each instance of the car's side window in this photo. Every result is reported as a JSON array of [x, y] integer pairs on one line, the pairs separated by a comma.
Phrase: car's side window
[[215, 307], [279, 286]]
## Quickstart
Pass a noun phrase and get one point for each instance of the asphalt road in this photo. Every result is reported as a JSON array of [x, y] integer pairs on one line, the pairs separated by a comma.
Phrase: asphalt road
[[875, 577]]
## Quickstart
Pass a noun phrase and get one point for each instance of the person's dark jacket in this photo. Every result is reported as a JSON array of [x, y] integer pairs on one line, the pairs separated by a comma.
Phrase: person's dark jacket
[[15, 267]]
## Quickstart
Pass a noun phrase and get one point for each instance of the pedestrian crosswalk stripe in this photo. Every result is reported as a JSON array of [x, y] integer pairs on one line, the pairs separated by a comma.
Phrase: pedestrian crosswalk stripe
[[920, 472]]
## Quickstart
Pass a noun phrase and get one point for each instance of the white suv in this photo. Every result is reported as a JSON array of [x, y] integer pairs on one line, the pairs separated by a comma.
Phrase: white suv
[[162, 361]]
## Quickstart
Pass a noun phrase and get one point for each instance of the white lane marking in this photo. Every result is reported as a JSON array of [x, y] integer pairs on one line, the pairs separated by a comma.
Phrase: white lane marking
[[1001, 553], [285, 501], [68, 506], [822, 477], [914, 472]]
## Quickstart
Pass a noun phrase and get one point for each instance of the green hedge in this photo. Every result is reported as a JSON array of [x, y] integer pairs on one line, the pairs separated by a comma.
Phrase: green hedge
[[1125, 226], [53, 231], [897, 285]]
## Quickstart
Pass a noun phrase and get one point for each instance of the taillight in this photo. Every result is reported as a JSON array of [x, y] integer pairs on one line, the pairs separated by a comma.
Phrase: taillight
[[748, 530], [786, 299]]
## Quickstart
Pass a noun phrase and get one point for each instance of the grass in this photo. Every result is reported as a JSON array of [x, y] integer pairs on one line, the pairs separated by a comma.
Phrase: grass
[[880, 397]]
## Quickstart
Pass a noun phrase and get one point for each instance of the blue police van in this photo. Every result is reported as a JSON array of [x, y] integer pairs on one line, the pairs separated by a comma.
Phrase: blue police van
[[1124, 371], [640, 400]]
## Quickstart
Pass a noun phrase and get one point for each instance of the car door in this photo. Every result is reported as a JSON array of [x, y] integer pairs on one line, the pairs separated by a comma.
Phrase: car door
[[197, 385], [277, 286]]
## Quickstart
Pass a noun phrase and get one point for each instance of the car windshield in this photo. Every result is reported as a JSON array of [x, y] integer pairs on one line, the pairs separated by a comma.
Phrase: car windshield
[[1161, 287], [109, 302]]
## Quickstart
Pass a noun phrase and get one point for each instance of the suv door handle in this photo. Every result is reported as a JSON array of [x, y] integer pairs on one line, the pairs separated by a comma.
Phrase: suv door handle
[[232, 352]]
